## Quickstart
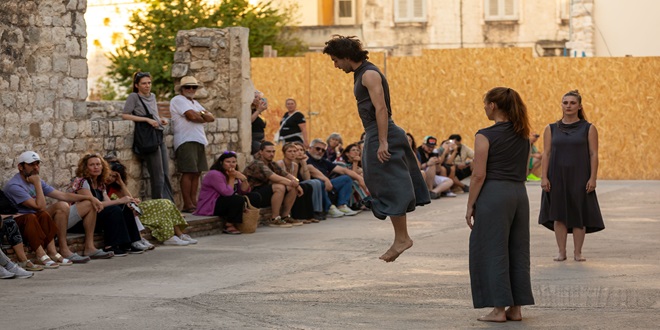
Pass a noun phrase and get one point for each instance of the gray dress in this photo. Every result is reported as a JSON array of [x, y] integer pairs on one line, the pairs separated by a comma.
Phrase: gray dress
[[397, 185], [499, 241], [569, 170]]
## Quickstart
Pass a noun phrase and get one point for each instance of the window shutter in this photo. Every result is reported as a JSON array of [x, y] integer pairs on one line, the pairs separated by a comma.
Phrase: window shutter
[[402, 11], [418, 8], [493, 7], [509, 9]]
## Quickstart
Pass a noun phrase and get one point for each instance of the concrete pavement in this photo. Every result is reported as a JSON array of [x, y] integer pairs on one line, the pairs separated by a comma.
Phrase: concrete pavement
[[328, 276]]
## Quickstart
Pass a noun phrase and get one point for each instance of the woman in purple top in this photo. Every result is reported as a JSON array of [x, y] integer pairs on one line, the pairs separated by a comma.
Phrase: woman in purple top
[[222, 192]]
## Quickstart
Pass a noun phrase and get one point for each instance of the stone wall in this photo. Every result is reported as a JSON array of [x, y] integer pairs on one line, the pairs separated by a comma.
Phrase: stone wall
[[582, 29], [43, 87]]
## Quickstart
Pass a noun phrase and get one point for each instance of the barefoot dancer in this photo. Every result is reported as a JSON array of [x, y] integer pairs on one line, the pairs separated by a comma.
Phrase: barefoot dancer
[[499, 241], [387, 160], [570, 168]]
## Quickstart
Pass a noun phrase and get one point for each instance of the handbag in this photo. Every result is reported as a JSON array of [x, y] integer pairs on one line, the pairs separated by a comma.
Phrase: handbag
[[146, 139], [6, 206], [251, 217]]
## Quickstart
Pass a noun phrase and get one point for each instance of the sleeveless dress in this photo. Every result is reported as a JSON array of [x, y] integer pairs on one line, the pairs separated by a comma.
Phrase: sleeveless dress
[[397, 185], [568, 171]]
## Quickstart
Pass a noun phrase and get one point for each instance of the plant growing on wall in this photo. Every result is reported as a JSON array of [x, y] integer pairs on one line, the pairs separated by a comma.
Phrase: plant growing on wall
[[153, 31]]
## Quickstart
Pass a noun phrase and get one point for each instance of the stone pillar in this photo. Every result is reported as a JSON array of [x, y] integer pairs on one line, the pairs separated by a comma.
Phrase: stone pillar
[[582, 29], [43, 86], [220, 60]]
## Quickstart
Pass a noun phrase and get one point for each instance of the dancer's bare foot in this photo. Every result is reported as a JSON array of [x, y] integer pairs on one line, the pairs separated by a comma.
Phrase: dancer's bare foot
[[514, 313], [560, 257], [395, 250], [578, 257], [496, 315]]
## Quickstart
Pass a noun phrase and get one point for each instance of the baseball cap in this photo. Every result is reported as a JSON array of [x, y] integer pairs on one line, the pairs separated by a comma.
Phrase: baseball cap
[[430, 141], [28, 157]]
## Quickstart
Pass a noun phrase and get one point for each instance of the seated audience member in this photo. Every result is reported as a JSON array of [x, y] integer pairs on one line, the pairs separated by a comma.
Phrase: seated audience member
[[159, 215], [9, 269], [351, 158], [337, 177], [334, 149], [117, 220], [39, 223], [303, 207], [275, 186], [319, 193], [534, 159], [431, 164], [222, 193], [462, 161], [10, 230]]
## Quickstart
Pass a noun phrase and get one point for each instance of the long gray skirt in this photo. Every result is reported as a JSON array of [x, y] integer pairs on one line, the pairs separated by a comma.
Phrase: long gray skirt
[[499, 246], [397, 185]]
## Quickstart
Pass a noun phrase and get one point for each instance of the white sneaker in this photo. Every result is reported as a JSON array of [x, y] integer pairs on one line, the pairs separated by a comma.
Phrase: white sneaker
[[146, 243], [187, 238], [5, 274], [334, 212], [450, 194], [20, 272], [175, 240], [347, 210]]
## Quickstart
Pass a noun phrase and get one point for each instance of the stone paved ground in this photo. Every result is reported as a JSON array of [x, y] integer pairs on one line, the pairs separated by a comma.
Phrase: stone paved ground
[[327, 276]]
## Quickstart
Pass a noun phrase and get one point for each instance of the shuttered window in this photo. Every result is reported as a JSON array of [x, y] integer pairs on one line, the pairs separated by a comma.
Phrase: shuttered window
[[501, 10], [410, 10]]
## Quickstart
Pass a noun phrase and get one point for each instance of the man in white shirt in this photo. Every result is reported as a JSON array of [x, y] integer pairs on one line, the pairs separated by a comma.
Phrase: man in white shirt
[[188, 118]]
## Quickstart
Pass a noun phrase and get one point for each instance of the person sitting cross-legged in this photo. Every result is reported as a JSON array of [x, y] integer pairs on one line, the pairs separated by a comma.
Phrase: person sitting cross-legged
[[340, 179]]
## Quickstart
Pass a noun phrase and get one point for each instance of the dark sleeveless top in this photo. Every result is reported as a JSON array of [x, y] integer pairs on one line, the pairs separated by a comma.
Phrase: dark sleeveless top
[[507, 153], [569, 169], [366, 109]]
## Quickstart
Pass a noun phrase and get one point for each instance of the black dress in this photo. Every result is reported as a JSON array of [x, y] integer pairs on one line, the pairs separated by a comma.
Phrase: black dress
[[569, 170]]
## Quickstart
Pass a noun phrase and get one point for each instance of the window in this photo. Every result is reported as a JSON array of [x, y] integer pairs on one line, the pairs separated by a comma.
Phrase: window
[[345, 12], [345, 8], [501, 10], [409, 11]]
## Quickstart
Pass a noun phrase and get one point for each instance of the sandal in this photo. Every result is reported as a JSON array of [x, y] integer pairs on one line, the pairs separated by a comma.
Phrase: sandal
[[30, 266], [48, 263], [61, 260], [231, 231], [188, 210]]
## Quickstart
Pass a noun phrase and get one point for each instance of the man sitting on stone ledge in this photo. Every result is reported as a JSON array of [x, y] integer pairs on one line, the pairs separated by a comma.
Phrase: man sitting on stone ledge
[[27, 191], [277, 188]]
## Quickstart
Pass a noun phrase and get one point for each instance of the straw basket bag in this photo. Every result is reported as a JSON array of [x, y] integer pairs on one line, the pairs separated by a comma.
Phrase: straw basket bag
[[250, 218]]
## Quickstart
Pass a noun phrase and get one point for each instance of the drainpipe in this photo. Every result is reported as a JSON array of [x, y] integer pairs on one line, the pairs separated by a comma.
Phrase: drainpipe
[[461, 21]]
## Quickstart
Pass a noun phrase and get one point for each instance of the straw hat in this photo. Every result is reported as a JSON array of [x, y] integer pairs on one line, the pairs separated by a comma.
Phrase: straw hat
[[188, 81]]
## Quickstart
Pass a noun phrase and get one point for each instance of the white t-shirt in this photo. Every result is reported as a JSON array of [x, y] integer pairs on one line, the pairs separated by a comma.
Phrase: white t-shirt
[[183, 129]]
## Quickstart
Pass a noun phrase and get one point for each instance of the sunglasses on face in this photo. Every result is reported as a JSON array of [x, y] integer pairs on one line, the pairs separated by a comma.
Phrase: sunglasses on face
[[190, 87], [319, 149]]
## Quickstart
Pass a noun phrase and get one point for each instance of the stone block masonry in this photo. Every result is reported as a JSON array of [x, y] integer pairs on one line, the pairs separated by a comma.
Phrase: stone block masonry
[[43, 88]]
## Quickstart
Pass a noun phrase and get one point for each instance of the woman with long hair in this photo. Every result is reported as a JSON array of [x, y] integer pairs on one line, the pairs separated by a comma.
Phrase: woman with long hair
[[569, 172], [259, 105], [139, 104], [351, 158], [303, 207], [222, 193], [498, 210], [159, 215], [120, 231]]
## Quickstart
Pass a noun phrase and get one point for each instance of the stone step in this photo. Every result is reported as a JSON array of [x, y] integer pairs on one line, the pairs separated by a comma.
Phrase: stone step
[[198, 226]]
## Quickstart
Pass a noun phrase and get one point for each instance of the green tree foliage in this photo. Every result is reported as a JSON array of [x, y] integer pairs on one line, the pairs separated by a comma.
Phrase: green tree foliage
[[154, 32]]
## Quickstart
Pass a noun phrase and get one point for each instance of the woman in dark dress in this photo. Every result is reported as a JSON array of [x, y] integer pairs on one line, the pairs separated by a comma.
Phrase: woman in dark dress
[[570, 168], [498, 210]]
